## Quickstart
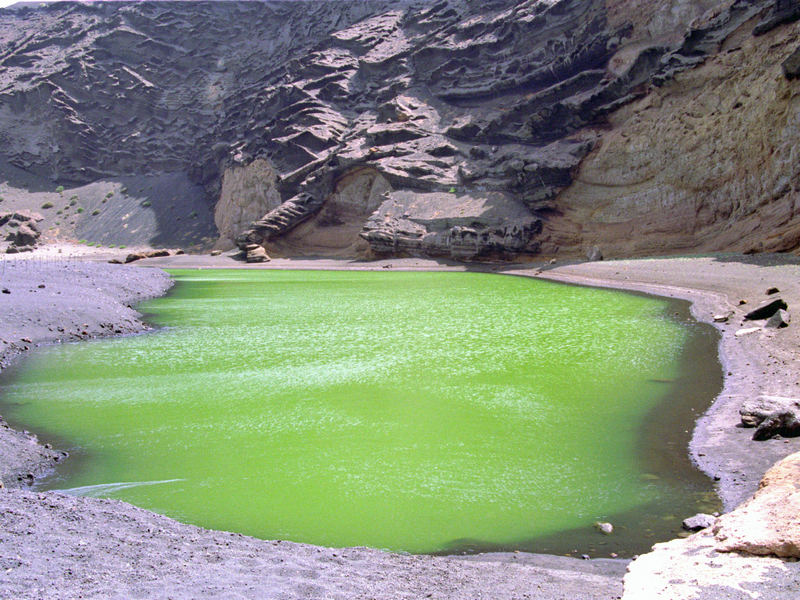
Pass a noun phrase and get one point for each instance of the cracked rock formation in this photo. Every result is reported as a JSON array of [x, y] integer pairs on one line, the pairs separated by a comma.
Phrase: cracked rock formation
[[748, 553], [467, 130]]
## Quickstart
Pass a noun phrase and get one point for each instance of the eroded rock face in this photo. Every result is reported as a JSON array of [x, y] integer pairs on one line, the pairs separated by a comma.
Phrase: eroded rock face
[[463, 227], [635, 126], [768, 523], [747, 553], [334, 230], [702, 163], [248, 193]]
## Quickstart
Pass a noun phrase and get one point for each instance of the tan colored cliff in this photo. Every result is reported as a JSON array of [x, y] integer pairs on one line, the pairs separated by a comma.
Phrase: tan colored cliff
[[708, 162]]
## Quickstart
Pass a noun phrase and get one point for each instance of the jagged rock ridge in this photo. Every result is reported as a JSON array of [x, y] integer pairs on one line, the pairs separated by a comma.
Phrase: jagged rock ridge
[[439, 128]]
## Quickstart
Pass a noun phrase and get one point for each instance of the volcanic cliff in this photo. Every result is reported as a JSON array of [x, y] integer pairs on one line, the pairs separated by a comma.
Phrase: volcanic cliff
[[467, 130]]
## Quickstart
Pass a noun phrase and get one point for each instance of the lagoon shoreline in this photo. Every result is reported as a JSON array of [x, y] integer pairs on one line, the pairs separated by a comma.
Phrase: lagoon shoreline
[[86, 546]]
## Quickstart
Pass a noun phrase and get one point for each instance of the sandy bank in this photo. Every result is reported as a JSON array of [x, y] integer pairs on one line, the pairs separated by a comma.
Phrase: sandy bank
[[763, 362], [56, 546]]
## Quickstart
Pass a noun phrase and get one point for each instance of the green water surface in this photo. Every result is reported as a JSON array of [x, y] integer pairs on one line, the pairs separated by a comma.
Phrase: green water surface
[[421, 412]]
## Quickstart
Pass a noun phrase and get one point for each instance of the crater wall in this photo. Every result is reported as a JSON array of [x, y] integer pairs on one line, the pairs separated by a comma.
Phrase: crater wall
[[525, 127]]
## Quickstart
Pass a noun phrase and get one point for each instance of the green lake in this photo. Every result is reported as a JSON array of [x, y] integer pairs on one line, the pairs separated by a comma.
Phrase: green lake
[[417, 412]]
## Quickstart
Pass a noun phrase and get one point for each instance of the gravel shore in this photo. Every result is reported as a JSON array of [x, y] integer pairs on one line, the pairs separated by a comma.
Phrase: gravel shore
[[49, 299], [57, 546]]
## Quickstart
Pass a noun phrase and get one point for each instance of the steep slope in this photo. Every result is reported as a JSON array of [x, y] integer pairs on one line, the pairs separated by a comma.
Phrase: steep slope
[[447, 128], [707, 162]]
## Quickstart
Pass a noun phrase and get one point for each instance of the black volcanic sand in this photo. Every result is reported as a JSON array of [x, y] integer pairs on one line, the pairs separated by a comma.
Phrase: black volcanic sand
[[162, 210], [57, 546]]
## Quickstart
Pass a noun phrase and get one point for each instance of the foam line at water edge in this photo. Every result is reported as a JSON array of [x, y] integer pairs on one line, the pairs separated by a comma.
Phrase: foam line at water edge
[[101, 489]]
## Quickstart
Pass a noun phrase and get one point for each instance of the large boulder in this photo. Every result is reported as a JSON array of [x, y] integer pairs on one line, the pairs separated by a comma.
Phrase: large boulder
[[766, 310], [25, 234], [20, 230], [768, 523], [771, 415], [594, 254], [779, 320], [257, 254], [698, 522]]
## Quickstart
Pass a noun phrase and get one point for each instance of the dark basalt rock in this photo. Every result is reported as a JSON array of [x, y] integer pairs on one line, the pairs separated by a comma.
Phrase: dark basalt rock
[[771, 415], [765, 311], [786, 424], [781, 13], [791, 66], [503, 97], [20, 230]]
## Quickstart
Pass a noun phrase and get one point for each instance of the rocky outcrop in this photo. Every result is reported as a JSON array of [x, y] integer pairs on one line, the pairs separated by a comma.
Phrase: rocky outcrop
[[693, 568], [459, 226], [334, 228], [750, 552], [771, 416], [19, 230], [572, 110], [248, 193], [460, 100], [768, 523]]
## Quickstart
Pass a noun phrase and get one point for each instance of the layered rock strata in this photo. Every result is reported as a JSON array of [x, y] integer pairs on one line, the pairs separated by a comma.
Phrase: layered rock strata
[[702, 163], [627, 125]]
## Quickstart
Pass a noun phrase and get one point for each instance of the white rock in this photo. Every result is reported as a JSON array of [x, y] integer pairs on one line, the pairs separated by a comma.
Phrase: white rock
[[746, 331]]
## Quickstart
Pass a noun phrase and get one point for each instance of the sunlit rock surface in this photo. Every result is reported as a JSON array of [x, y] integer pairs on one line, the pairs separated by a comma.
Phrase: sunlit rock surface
[[636, 127], [749, 553]]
